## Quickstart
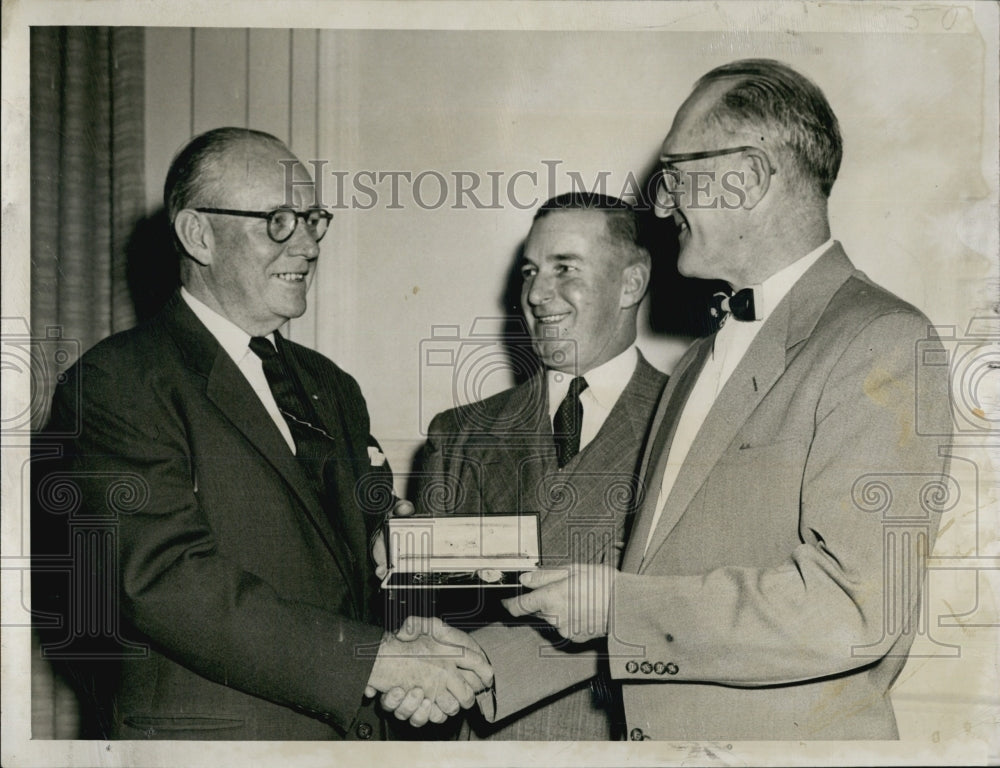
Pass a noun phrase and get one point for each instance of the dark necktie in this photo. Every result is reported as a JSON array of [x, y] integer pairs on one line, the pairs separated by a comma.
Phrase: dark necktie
[[312, 442], [740, 305], [568, 422]]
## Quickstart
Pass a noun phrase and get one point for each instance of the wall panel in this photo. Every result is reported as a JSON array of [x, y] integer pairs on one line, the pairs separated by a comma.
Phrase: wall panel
[[221, 78], [303, 129], [169, 85], [269, 81]]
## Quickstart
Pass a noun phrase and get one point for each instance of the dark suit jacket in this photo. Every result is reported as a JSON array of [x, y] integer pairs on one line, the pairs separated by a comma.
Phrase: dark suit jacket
[[780, 592], [250, 590], [497, 456]]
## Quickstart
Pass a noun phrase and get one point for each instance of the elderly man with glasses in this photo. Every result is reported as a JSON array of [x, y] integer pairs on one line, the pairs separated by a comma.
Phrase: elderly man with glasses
[[770, 586], [238, 564]]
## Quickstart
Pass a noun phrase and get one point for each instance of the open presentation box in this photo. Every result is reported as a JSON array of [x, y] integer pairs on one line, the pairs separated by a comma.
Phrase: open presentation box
[[460, 551]]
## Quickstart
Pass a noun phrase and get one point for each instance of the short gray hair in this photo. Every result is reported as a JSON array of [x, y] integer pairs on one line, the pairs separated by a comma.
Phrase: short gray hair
[[190, 177], [771, 97]]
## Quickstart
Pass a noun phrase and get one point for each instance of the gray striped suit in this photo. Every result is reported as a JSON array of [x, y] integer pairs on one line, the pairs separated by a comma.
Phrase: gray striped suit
[[497, 456]]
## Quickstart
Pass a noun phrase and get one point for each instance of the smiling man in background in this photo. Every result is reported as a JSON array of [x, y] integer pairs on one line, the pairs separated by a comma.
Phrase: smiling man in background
[[565, 444]]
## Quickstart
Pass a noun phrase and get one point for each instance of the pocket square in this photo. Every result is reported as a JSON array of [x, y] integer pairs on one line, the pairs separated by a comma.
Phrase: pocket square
[[375, 457]]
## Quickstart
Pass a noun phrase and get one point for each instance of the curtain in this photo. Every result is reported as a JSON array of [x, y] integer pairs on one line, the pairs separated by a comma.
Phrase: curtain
[[87, 183], [87, 196]]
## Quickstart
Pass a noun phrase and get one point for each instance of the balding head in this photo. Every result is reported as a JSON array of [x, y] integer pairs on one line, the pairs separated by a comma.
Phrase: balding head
[[194, 178], [786, 110]]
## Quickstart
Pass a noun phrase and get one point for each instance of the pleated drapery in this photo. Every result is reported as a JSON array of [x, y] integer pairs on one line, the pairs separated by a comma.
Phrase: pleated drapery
[[87, 184], [87, 195]]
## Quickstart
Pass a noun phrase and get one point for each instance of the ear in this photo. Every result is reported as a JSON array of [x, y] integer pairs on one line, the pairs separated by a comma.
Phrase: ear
[[757, 178], [635, 280], [196, 235]]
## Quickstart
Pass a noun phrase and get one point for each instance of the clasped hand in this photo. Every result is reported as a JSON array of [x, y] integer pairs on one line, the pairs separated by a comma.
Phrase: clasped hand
[[427, 671], [575, 600]]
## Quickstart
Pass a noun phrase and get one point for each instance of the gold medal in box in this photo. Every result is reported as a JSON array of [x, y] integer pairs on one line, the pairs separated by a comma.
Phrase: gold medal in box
[[460, 551]]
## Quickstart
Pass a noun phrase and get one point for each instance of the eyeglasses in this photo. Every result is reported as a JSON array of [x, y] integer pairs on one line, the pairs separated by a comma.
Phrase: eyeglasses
[[669, 177], [281, 222]]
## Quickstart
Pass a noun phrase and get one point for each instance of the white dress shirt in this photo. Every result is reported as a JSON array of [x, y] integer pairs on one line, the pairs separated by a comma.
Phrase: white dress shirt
[[236, 342], [605, 385], [731, 344]]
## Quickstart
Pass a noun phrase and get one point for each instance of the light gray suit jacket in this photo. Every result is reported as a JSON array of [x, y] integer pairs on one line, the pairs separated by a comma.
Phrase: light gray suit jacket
[[779, 594]]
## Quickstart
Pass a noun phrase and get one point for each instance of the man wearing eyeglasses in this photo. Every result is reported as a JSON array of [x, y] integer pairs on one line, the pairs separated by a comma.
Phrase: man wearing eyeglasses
[[241, 560], [770, 586]]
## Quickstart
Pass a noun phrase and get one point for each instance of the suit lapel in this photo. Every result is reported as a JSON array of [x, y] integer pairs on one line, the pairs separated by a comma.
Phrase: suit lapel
[[809, 298], [763, 364], [348, 463], [643, 389], [664, 424], [639, 402], [227, 388], [628, 422], [601, 478], [518, 450]]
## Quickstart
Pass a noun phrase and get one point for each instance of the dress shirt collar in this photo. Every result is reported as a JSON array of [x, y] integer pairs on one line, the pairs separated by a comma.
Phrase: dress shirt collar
[[738, 335], [230, 336], [769, 294], [605, 383]]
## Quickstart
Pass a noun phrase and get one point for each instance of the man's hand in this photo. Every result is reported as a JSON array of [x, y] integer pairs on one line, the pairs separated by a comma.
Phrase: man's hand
[[428, 670], [575, 600], [403, 508]]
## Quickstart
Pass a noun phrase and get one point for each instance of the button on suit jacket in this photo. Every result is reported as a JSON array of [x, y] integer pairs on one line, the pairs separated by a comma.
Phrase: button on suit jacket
[[244, 581]]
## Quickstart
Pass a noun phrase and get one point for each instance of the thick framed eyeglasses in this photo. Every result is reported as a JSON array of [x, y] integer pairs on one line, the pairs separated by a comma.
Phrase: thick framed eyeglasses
[[669, 177], [684, 156], [281, 222]]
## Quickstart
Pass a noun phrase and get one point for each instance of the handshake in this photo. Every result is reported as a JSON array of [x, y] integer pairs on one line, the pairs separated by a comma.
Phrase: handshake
[[427, 671]]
